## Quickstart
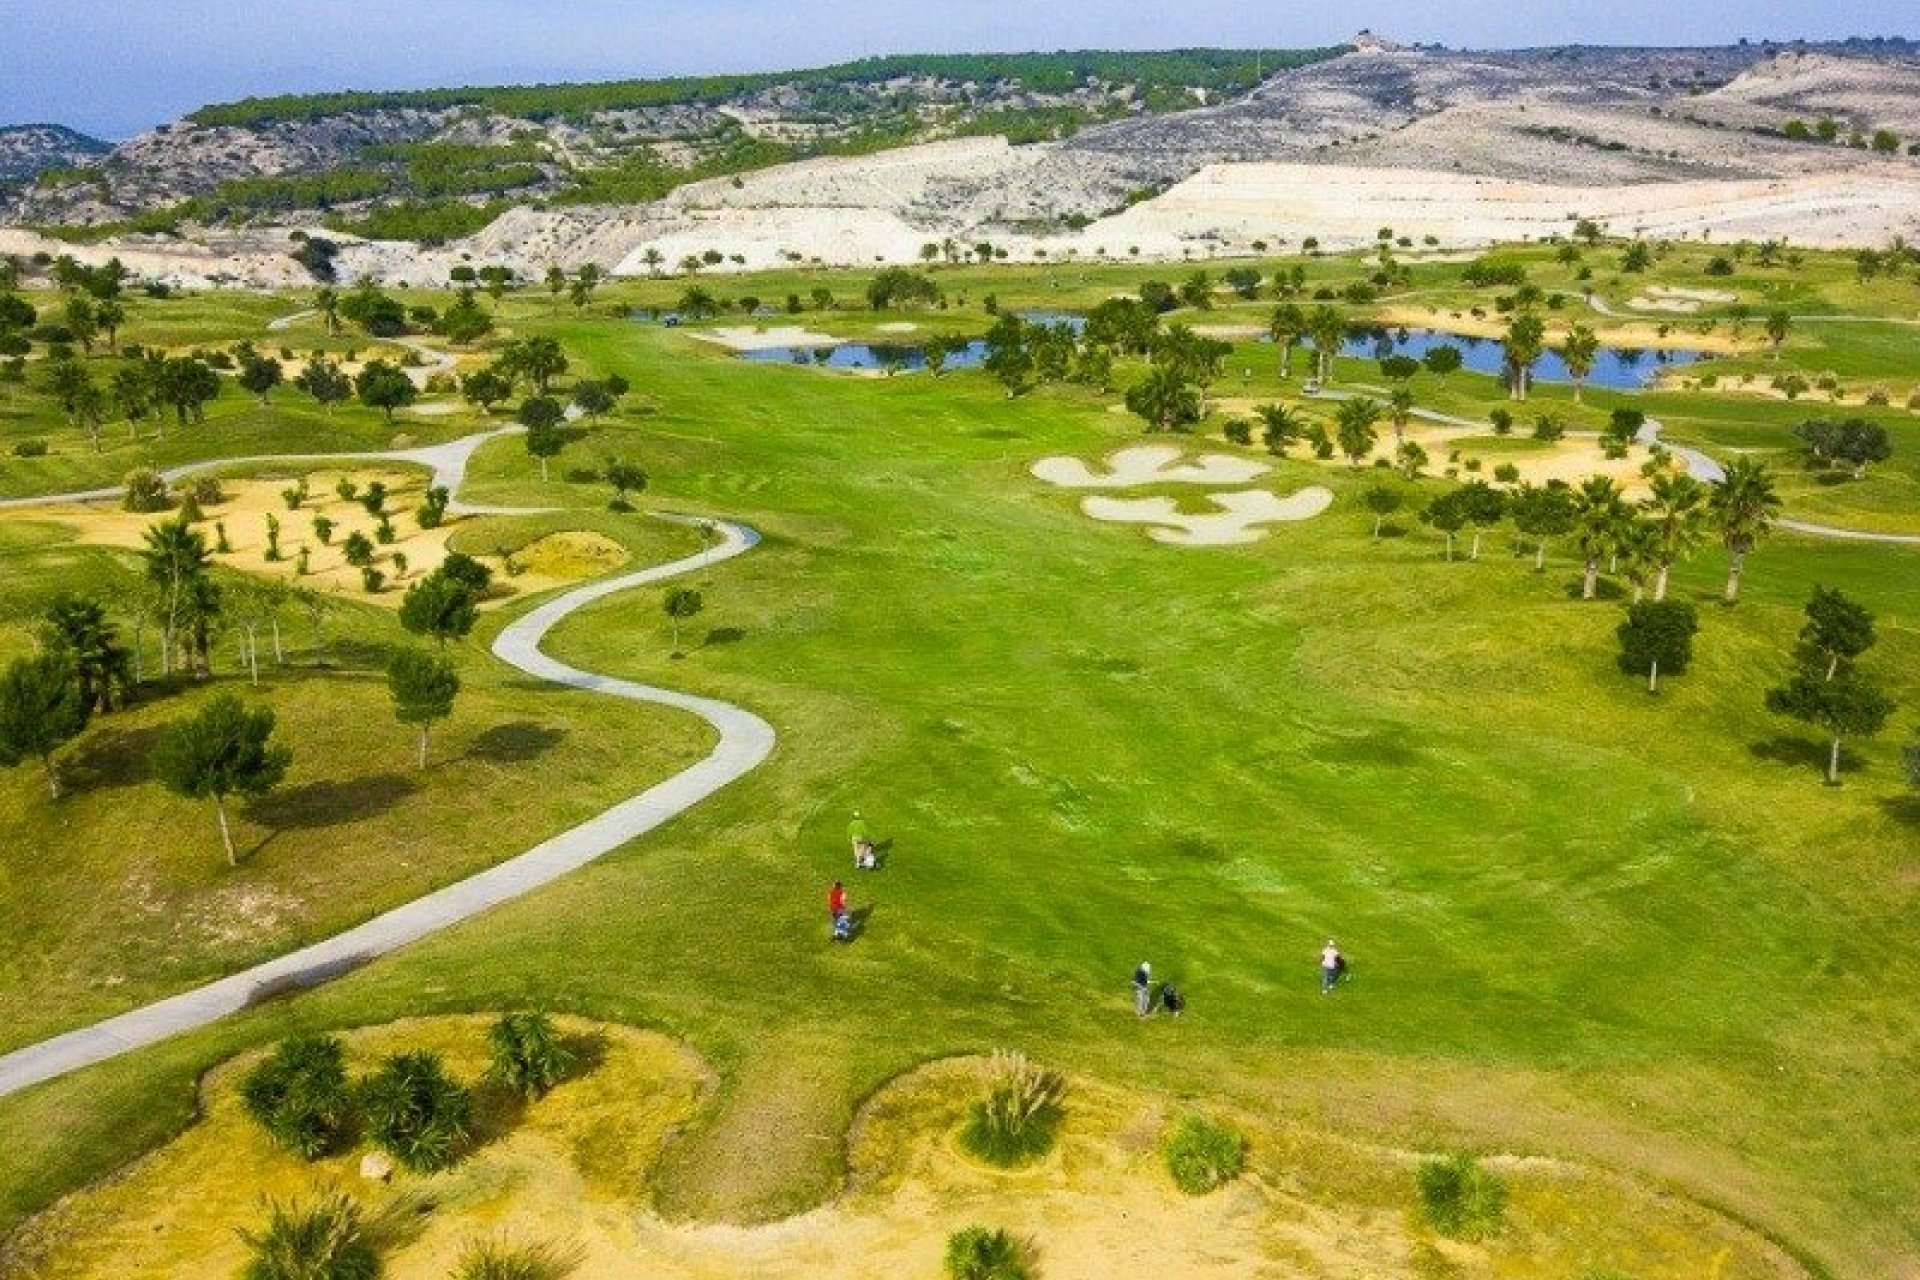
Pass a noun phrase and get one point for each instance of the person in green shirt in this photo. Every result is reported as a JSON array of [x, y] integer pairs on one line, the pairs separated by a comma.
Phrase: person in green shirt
[[862, 845]]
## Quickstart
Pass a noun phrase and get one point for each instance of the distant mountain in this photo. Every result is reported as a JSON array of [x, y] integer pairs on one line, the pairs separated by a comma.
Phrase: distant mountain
[[29, 150]]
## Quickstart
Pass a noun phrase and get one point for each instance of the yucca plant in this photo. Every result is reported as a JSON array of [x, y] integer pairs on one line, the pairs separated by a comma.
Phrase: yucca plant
[[299, 1094], [1203, 1154], [318, 1240], [528, 1055], [976, 1253], [1015, 1121], [505, 1260], [416, 1112]]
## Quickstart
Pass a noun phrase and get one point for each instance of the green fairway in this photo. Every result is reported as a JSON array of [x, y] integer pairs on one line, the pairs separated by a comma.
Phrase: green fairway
[[1632, 931]]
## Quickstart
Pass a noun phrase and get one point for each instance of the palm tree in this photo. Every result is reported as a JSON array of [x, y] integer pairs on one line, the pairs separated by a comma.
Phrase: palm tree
[[1638, 552], [1526, 339], [1282, 427], [1678, 511], [1400, 408], [1328, 329], [1355, 419], [1743, 506], [177, 564], [1577, 353], [1288, 323], [1778, 323], [327, 303], [1600, 517]]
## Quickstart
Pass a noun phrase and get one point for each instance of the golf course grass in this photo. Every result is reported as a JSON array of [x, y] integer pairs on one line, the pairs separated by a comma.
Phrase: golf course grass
[[1632, 932]]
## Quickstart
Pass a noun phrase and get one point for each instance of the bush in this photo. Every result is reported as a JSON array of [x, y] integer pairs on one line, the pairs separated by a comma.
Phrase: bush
[[528, 1057], [1459, 1198], [318, 1241], [1203, 1155], [206, 491], [299, 1095], [1015, 1123], [372, 579], [146, 492], [30, 449], [976, 1253], [295, 494], [1502, 421], [416, 1112], [504, 1260], [1238, 431]]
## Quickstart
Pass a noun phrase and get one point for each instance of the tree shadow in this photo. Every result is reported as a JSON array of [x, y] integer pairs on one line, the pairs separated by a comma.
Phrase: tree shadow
[[516, 742], [305, 979], [724, 635], [1903, 809], [111, 758], [1805, 753], [497, 1112], [328, 804], [1604, 589]]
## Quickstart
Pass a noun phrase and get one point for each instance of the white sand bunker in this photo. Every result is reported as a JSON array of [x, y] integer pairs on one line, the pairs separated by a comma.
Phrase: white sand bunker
[[1149, 464], [1662, 297], [1236, 522], [746, 339]]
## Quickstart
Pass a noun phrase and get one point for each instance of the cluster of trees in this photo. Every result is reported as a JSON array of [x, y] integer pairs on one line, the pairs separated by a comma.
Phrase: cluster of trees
[[1854, 444], [898, 288]]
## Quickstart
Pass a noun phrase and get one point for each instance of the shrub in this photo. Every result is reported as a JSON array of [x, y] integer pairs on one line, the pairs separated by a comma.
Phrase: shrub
[[1016, 1121], [416, 1112], [372, 579], [146, 491], [976, 1253], [504, 1260], [528, 1056], [1459, 1198], [322, 1240], [1203, 1155], [323, 529], [299, 1094], [1238, 431], [1502, 421], [206, 491], [347, 489], [1549, 426], [374, 497], [30, 449], [358, 549], [295, 494]]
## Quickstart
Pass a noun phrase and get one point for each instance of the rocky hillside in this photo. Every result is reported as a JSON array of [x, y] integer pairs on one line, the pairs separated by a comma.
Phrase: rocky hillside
[[29, 150]]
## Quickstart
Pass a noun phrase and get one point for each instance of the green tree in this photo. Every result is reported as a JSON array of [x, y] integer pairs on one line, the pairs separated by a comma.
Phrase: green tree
[[79, 629], [327, 303], [1544, 512], [320, 1240], [1845, 705], [42, 708], [1677, 511], [1525, 340], [1165, 400], [325, 382], [385, 387], [1400, 410], [625, 477], [299, 1095], [1447, 514], [529, 1055], [1838, 630], [1484, 507], [1742, 506], [1657, 638], [223, 750], [1196, 291], [485, 388], [259, 374], [682, 603], [423, 686], [1354, 427], [1578, 352], [1286, 326], [1600, 514], [1280, 427], [1328, 329], [440, 606], [1778, 324], [179, 568], [1010, 354], [542, 417], [466, 321], [1383, 502], [538, 360]]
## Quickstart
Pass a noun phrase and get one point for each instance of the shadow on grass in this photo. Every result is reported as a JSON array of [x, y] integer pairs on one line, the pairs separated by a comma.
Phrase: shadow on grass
[[329, 804], [724, 635], [1603, 589], [304, 979], [516, 742], [1903, 809], [1806, 753], [111, 758]]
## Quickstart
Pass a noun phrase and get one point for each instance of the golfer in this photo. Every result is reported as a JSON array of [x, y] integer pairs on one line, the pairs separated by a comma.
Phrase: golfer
[[1143, 989], [1332, 965]]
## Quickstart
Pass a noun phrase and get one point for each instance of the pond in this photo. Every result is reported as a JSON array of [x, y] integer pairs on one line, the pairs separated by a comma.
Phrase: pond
[[866, 355], [1620, 369]]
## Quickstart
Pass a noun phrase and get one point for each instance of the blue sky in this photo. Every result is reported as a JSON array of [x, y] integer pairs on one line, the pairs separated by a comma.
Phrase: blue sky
[[116, 66]]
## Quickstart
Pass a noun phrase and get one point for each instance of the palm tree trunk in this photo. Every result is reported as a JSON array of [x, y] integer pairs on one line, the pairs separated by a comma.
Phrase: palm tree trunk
[[1476, 544], [423, 744], [1653, 676], [226, 834], [1540, 556], [1833, 764], [279, 654], [1590, 580], [1377, 522], [1734, 569], [53, 775], [1660, 584]]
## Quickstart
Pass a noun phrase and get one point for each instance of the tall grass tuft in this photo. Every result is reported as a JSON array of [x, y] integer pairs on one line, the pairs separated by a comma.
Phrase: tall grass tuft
[[1203, 1155], [505, 1260], [1461, 1199], [976, 1253], [319, 1240], [528, 1056], [1015, 1122], [299, 1095]]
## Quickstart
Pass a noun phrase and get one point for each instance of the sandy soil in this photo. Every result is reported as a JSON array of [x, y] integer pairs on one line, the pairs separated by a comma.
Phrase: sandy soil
[[1683, 301], [739, 339], [551, 562], [1238, 521], [574, 1171], [1149, 464]]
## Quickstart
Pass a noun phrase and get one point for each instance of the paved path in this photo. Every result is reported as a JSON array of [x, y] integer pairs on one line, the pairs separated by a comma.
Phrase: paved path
[[745, 741], [447, 461]]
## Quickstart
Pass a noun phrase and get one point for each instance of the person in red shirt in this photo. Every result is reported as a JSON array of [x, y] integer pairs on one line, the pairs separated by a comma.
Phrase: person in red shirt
[[837, 900]]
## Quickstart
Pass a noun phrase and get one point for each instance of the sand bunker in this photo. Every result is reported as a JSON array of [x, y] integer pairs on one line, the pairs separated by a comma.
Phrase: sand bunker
[[763, 339], [1149, 464], [1684, 301], [1236, 522]]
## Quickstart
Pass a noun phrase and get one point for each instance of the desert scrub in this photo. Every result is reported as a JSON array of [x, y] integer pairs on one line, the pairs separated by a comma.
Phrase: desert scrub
[[416, 1112], [299, 1095], [1203, 1155], [976, 1253], [1459, 1198], [1015, 1122], [528, 1055], [321, 1240]]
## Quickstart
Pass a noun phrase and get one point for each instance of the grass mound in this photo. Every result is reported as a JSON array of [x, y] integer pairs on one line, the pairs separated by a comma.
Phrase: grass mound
[[1203, 1155], [1016, 1121], [1461, 1199], [975, 1253]]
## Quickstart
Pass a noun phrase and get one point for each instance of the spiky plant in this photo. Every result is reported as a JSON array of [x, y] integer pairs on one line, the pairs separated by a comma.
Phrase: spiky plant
[[416, 1112], [501, 1259], [1014, 1122], [975, 1253], [1203, 1154], [322, 1239], [528, 1055], [299, 1094]]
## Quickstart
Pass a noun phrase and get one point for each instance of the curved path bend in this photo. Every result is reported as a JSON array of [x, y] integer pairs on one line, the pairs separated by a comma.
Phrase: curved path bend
[[745, 740]]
